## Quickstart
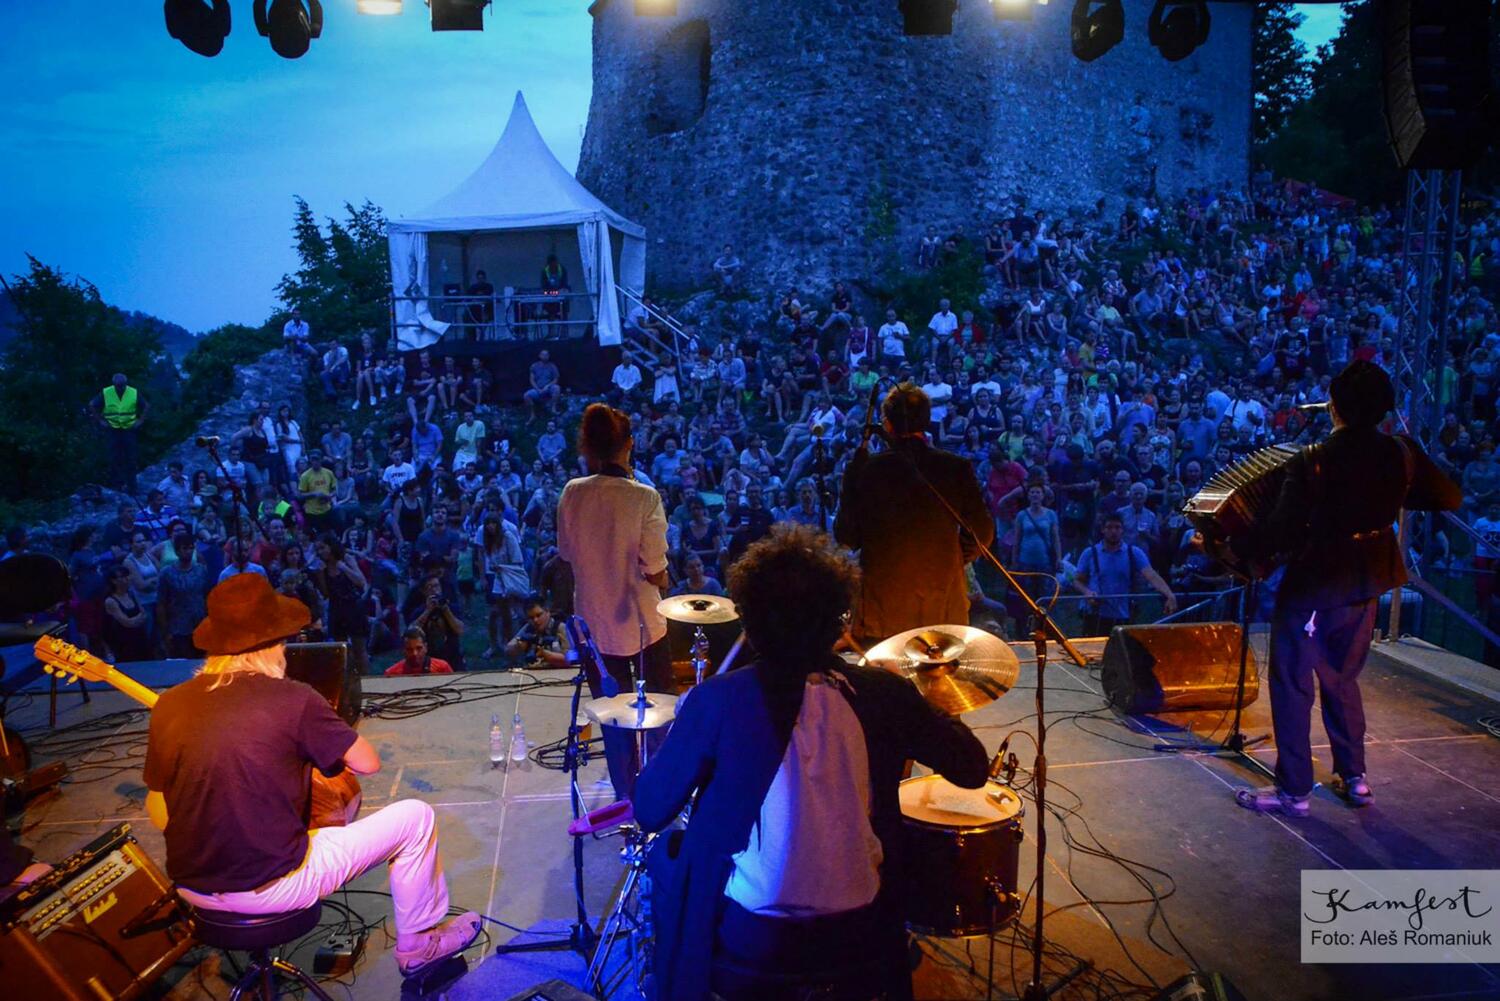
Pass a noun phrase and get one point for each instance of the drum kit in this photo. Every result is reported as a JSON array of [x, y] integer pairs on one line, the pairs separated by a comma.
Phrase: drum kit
[[963, 845]]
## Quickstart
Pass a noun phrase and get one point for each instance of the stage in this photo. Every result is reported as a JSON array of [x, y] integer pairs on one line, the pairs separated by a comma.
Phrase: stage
[[1227, 879]]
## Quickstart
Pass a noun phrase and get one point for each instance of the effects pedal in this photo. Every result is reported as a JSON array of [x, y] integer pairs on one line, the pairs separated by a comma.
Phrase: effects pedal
[[432, 980], [338, 954]]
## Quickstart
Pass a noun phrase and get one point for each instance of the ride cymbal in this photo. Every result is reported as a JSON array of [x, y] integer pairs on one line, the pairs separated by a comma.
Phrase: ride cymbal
[[955, 668], [697, 609]]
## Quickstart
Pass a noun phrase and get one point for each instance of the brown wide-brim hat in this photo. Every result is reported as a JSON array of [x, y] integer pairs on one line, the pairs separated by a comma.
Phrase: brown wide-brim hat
[[245, 613]]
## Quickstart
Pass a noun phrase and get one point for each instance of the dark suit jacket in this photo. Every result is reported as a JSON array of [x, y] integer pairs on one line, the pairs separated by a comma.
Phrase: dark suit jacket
[[724, 748], [1351, 484], [911, 551]]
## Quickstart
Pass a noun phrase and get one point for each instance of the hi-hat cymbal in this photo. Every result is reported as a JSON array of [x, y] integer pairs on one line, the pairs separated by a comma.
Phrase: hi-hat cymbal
[[621, 711], [697, 609], [956, 668]]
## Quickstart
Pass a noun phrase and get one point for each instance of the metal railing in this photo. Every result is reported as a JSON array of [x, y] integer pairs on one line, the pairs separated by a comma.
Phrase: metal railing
[[508, 315], [645, 347]]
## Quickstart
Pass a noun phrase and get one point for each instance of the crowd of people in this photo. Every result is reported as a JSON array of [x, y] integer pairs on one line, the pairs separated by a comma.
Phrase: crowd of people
[[1111, 366]]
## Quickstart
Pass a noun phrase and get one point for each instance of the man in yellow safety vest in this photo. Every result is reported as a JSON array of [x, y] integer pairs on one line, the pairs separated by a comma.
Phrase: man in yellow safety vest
[[120, 410]]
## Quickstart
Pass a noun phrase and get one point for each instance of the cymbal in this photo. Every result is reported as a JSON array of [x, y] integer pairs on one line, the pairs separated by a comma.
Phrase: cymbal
[[621, 711], [955, 668], [698, 609]]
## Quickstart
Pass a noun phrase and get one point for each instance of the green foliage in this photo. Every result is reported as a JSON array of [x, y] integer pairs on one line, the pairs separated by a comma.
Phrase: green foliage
[[1280, 63], [909, 292], [69, 344], [1337, 136], [341, 283]]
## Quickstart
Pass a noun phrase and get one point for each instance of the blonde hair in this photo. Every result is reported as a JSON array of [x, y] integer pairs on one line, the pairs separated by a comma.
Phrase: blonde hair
[[269, 660]]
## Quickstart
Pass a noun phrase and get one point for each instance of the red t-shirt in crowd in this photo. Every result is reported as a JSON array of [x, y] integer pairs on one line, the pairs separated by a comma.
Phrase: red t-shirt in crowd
[[435, 665]]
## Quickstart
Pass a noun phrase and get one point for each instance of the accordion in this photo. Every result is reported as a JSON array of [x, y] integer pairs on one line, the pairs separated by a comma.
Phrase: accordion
[[1235, 502]]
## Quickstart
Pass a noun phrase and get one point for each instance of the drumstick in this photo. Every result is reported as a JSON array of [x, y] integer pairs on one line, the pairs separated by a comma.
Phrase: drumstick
[[734, 652]]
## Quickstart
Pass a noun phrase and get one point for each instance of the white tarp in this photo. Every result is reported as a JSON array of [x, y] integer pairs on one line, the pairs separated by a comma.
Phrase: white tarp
[[415, 327], [520, 186]]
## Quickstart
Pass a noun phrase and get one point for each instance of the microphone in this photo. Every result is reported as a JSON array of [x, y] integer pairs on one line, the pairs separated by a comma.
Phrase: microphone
[[206, 440], [574, 642], [607, 684], [1310, 408], [864, 443], [997, 763]]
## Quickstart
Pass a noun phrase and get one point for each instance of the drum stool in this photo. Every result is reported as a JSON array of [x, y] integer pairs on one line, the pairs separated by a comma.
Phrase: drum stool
[[259, 935]]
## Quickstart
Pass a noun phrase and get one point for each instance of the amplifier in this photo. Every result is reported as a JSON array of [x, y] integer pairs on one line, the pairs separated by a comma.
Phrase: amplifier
[[103, 924], [1173, 668], [325, 667]]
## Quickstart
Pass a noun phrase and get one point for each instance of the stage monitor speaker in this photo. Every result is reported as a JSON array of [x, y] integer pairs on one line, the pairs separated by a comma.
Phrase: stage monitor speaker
[[1198, 986], [325, 666], [1439, 99], [458, 15], [1174, 668], [552, 990]]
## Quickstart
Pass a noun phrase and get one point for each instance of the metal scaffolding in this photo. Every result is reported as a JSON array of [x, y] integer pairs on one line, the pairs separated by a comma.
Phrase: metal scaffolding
[[1428, 241]]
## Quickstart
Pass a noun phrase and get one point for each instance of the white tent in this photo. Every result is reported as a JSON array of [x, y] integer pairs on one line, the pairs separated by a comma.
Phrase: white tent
[[519, 205]]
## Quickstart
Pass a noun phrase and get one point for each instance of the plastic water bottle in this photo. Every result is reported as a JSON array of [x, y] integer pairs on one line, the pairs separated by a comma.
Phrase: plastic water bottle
[[517, 739], [497, 742]]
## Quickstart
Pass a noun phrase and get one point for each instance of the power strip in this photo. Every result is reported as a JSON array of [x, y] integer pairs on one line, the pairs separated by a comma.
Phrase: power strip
[[338, 954]]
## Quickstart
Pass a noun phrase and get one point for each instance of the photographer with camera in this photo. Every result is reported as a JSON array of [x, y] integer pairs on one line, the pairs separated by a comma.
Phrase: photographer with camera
[[427, 609]]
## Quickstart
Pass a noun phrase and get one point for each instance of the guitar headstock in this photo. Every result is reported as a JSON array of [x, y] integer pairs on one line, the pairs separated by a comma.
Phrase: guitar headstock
[[63, 659]]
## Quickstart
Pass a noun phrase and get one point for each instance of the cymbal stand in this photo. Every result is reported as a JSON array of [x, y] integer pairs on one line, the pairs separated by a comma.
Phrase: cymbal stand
[[699, 658], [629, 915], [1036, 990]]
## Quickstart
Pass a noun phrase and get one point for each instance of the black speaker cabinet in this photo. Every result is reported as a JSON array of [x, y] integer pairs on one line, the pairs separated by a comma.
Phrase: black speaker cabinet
[[1172, 668], [1435, 71]]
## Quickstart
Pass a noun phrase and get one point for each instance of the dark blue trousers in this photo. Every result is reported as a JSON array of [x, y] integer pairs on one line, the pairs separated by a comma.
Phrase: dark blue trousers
[[1335, 654]]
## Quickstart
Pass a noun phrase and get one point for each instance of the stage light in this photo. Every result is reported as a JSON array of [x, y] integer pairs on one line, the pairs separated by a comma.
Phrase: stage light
[[1012, 10], [200, 26], [656, 8], [291, 25], [1098, 26], [379, 8], [928, 17], [458, 15], [1178, 27]]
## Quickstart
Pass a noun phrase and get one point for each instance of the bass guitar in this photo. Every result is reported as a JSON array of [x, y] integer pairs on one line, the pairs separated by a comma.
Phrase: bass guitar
[[335, 800]]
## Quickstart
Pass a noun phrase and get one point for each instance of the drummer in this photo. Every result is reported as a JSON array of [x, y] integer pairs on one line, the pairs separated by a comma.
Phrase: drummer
[[795, 761]]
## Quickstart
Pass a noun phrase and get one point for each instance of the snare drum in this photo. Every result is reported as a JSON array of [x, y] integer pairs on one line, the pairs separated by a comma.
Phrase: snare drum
[[963, 848]]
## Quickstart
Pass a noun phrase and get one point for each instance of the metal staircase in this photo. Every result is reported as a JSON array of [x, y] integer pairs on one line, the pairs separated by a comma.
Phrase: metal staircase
[[647, 349]]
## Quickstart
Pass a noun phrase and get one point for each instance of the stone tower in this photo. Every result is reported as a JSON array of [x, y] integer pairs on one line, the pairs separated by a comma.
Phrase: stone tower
[[799, 130]]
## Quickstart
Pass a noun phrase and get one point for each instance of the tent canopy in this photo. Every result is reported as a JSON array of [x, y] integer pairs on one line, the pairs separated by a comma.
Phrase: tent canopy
[[519, 186]]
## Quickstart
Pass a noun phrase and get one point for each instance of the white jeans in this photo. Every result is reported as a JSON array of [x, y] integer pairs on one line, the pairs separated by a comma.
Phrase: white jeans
[[403, 834]]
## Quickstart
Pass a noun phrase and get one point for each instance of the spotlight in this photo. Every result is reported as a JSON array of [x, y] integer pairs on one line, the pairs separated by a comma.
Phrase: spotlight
[[656, 8], [291, 25], [1098, 26], [1012, 10], [458, 15], [1177, 27], [377, 7], [928, 17], [200, 26]]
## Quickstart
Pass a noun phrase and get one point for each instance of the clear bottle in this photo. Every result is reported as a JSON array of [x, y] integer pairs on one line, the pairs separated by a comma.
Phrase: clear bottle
[[497, 742], [517, 739]]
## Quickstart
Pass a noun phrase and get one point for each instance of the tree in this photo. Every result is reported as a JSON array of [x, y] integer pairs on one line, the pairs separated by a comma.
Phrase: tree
[[1336, 136], [68, 344], [1280, 62], [342, 282]]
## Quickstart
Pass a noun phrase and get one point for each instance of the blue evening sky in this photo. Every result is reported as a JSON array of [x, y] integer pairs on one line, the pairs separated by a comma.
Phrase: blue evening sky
[[167, 179]]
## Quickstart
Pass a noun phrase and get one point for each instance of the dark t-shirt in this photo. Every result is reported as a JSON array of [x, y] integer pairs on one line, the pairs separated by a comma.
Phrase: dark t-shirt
[[234, 766]]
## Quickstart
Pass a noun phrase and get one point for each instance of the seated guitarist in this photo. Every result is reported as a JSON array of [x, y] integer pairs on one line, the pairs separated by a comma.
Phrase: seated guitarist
[[229, 759]]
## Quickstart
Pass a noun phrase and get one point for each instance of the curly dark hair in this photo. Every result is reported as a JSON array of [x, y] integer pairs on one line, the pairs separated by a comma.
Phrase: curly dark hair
[[792, 589]]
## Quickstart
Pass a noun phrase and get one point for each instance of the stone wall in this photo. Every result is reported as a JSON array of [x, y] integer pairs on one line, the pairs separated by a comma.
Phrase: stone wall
[[787, 128]]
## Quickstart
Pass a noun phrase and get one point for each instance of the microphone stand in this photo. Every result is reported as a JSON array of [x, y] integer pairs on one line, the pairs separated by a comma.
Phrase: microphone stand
[[580, 937]]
